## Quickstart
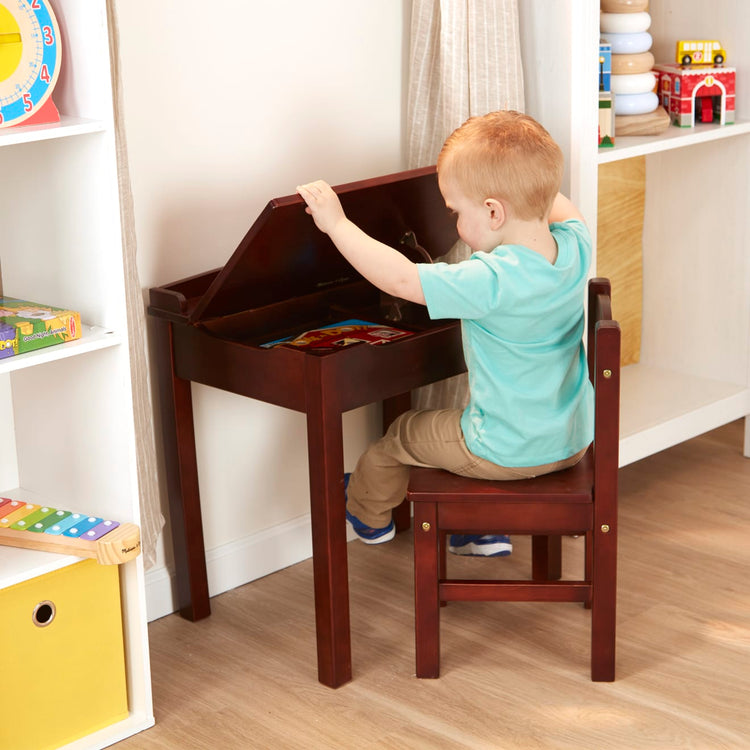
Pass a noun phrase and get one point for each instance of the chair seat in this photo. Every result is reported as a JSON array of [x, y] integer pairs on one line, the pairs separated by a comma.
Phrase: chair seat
[[567, 486]]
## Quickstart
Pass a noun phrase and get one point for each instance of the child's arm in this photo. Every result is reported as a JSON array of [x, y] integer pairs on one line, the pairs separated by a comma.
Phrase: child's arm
[[563, 209], [381, 265]]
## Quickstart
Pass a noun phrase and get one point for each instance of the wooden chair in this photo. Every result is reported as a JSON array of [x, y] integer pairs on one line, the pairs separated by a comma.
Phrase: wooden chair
[[580, 500]]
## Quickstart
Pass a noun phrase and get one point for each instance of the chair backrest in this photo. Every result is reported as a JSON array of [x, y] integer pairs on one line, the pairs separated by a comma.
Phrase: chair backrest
[[604, 372]]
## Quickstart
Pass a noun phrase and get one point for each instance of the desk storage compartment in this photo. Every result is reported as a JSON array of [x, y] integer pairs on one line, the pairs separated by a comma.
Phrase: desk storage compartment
[[62, 665]]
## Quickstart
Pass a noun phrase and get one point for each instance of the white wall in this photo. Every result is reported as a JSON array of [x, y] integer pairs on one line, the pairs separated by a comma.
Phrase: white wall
[[228, 104]]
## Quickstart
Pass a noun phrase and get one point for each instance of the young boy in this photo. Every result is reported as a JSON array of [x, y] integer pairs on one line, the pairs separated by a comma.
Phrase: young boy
[[520, 301]]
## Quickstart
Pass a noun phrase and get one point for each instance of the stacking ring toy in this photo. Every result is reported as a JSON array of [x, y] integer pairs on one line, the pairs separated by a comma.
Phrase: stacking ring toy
[[625, 65], [636, 104], [629, 44], [633, 84], [624, 23], [624, 6]]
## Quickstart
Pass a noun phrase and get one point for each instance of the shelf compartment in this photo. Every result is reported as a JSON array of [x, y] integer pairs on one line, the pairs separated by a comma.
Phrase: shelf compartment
[[68, 126], [92, 339], [662, 407], [19, 564]]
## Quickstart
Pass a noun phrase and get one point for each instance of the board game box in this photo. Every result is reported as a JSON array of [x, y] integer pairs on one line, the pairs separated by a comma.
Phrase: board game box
[[27, 326], [344, 333]]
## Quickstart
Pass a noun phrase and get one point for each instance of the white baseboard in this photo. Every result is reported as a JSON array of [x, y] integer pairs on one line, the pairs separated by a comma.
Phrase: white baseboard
[[237, 563]]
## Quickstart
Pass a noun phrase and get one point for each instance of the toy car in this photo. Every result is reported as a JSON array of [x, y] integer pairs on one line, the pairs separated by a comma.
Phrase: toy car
[[700, 52]]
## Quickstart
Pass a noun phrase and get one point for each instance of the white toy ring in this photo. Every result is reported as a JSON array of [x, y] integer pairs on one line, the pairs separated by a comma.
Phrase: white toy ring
[[624, 23], [639, 83]]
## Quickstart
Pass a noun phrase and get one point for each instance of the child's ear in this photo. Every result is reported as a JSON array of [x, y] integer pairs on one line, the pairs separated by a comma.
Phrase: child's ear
[[495, 212]]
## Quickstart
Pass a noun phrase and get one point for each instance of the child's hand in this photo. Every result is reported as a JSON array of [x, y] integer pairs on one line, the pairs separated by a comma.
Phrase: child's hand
[[322, 204]]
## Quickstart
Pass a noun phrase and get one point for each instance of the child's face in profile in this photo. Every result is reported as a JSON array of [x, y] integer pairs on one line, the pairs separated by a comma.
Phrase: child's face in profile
[[472, 217]]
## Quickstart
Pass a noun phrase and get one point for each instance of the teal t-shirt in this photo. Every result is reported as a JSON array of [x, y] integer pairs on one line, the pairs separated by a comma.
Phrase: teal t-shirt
[[522, 321]]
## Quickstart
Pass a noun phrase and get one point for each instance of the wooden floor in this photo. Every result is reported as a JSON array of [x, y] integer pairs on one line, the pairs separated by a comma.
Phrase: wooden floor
[[513, 675]]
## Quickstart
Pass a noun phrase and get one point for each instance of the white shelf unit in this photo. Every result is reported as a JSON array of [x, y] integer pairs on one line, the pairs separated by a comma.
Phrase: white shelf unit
[[694, 369], [66, 416]]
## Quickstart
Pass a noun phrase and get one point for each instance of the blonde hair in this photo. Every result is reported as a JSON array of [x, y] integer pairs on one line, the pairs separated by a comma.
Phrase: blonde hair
[[508, 156]]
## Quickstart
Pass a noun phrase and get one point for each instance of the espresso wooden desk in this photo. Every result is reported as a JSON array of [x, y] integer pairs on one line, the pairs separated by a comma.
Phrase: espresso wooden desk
[[286, 277]]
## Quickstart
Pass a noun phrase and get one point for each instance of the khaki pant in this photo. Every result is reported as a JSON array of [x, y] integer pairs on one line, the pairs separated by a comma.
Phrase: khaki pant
[[422, 438]]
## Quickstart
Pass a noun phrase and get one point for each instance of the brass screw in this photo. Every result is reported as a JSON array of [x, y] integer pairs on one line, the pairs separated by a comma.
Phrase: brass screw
[[607, 373], [425, 526], [605, 528]]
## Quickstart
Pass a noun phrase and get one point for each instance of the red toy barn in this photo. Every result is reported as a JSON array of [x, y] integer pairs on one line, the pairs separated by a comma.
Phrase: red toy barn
[[696, 94]]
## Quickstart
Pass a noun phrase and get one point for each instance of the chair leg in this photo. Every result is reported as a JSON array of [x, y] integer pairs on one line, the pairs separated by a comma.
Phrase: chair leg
[[588, 554], [426, 599], [546, 558], [443, 560], [603, 606]]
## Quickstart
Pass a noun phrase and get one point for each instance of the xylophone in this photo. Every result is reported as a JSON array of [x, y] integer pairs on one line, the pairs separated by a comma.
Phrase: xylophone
[[48, 529]]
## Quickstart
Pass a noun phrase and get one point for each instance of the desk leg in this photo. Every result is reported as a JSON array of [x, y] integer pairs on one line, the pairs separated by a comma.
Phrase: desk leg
[[330, 569], [392, 408], [182, 480]]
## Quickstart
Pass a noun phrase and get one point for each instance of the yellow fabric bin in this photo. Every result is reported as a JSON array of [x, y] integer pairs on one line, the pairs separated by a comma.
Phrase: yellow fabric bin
[[62, 665]]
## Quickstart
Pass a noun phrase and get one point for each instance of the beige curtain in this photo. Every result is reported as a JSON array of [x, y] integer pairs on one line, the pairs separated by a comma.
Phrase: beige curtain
[[465, 60], [152, 520]]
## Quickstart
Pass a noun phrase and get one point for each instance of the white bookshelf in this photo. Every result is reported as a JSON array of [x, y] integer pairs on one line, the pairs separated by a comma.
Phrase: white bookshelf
[[627, 147], [694, 369], [92, 338], [66, 416], [66, 127]]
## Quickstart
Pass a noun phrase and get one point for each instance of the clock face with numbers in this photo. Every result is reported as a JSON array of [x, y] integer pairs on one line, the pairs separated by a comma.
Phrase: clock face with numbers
[[30, 52]]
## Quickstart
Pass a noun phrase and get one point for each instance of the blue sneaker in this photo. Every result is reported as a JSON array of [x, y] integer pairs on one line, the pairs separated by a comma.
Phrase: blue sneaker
[[366, 533], [369, 535], [480, 545]]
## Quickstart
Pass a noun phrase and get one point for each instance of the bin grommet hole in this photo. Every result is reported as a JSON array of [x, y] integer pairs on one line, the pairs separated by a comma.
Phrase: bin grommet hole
[[44, 613]]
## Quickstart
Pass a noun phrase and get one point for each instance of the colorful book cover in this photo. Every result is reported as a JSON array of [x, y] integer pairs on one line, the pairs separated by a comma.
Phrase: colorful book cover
[[344, 333], [27, 326]]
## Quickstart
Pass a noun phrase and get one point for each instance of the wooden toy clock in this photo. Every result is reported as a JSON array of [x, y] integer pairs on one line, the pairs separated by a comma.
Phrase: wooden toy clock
[[30, 54]]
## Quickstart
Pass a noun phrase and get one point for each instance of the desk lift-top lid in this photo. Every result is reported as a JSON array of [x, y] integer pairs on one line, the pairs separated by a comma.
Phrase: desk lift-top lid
[[284, 255]]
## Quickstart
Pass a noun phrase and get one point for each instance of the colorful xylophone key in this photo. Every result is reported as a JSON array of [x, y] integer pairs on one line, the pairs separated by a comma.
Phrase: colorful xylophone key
[[41, 527]]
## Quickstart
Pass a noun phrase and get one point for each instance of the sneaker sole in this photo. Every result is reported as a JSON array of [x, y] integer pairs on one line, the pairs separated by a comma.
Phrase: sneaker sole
[[378, 539], [498, 549]]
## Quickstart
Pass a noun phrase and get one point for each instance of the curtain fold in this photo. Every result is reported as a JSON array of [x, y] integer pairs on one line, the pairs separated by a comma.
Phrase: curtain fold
[[465, 60], [152, 520]]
